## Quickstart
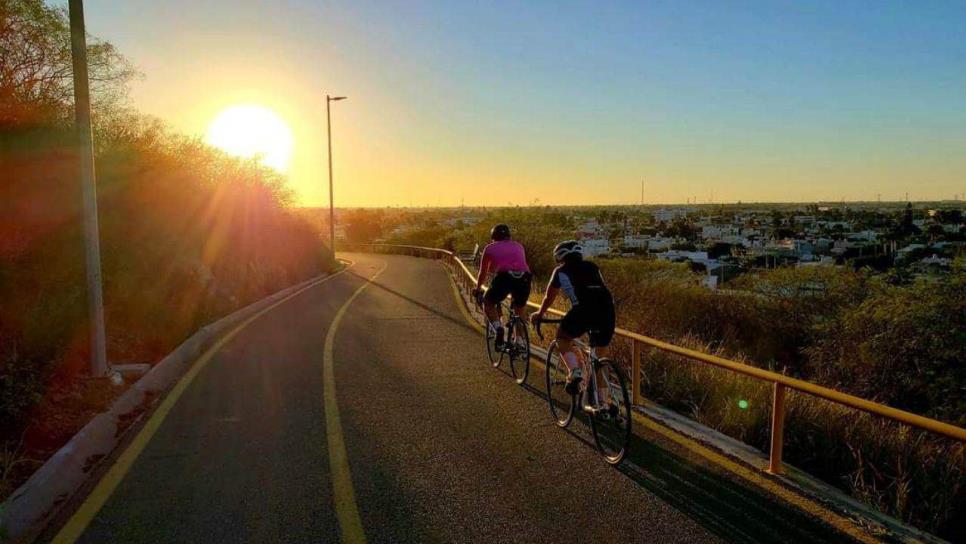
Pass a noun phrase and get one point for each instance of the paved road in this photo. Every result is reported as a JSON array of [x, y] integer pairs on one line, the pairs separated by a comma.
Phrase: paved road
[[442, 448]]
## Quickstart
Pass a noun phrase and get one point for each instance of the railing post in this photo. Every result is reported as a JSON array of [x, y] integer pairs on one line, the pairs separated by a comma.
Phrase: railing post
[[636, 398], [777, 430]]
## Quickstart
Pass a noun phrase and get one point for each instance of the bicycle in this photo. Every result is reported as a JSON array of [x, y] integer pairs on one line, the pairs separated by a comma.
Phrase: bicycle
[[612, 433], [516, 345]]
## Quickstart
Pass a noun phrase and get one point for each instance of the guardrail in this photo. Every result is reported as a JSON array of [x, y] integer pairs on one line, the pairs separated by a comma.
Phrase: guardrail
[[780, 383]]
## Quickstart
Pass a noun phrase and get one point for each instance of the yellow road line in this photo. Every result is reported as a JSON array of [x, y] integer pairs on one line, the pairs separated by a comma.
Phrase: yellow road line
[[78, 523], [757, 479], [346, 509]]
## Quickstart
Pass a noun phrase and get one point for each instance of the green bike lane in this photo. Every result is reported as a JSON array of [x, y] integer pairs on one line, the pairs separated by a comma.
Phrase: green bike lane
[[440, 446]]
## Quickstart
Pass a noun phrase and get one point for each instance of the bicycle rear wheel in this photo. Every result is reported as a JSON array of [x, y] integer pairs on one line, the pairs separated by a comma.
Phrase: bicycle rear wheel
[[520, 352], [561, 402], [495, 357], [612, 433]]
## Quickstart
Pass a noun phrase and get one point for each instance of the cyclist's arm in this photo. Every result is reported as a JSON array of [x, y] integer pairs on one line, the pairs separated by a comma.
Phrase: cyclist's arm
[[484, 269], [548, 298]]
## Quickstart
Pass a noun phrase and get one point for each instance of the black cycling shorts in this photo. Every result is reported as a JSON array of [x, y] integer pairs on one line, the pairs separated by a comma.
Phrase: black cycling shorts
[[597, 320], [515, 284]]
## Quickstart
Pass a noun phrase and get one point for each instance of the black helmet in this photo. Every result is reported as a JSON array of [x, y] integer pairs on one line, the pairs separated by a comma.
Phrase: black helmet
[[567, 248], [500, 232]]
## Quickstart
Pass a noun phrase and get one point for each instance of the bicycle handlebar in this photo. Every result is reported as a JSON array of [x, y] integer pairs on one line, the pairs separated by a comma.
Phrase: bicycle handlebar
[[539, 323]]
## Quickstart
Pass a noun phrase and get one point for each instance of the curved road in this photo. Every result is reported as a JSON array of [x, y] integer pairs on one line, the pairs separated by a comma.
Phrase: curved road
[[439, 446]]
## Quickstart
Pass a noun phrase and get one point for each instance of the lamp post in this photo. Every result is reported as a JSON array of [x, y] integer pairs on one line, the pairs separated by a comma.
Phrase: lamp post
[[328, 120], [85, 148]]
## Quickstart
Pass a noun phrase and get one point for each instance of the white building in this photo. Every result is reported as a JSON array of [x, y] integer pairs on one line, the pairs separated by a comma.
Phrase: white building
[[718, 232], [824, 261], [595, 246], [862, 236], [588, 229], [904, 252], [636, 241], [667, 215], [660, 243], [936, 260], [681, 255]]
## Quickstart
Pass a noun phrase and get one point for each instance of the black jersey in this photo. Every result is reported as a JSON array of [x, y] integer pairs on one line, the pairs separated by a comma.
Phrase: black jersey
[[582, 283]]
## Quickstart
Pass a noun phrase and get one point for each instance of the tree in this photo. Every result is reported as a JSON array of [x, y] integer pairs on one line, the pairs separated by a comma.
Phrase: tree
[[363, 226], [720, 249], [951, 217], [907, 225], [35, 65]]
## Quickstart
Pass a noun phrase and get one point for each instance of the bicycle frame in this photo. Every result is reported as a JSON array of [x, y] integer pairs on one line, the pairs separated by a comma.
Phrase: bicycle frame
[[513, 320], [590, 384], [589, 360]]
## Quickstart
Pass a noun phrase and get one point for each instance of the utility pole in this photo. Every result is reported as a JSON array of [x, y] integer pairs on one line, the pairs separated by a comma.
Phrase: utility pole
[[85, 149], [328, 121]]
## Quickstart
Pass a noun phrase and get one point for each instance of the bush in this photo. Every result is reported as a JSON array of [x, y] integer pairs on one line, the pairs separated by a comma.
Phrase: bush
[[904, 346], [912, 475]]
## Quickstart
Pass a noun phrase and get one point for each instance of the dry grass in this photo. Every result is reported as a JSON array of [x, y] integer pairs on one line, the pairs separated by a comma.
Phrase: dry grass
[[911, 475]]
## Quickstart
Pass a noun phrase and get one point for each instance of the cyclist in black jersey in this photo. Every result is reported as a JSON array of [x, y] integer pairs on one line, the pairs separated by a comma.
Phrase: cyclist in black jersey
[[591, 308]]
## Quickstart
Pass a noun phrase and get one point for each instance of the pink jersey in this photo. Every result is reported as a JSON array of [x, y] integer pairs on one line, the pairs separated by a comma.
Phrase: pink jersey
[[504, 256]]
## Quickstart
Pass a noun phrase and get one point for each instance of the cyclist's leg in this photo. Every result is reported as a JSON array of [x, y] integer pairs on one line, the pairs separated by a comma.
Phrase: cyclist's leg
[[520, 294], [571, 327], [600, 337], [491, 310], [566, 346], [494, 296]]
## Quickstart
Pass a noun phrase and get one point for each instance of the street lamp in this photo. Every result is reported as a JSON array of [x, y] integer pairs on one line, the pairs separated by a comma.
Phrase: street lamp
[[85, 144], [328, 120]]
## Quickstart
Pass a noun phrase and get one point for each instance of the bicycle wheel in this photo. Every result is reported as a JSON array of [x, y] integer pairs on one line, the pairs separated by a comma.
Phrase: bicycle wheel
[[520, 352], [561, 402], [612, 434], [496, 357]]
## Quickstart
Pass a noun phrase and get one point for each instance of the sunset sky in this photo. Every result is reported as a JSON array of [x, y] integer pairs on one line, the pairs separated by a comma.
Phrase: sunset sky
[[572, 102]]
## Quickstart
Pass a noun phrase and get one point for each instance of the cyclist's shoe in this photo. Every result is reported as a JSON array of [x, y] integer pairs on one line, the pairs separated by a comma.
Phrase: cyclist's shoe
[[573, 381], [608, 413], [498, 343]]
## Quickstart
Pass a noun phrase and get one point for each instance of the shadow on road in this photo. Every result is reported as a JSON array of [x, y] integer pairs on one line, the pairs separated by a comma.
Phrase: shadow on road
[[729, 509], [460, 322]]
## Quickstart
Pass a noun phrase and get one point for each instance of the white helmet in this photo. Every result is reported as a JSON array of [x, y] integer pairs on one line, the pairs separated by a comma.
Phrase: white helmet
[[568, 247]]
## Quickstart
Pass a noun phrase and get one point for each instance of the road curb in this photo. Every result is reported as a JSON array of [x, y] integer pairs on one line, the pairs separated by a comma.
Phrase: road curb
[[25, 513]]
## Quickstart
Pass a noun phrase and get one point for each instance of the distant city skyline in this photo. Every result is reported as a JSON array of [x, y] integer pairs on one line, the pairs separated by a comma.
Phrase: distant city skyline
[[572, 103]]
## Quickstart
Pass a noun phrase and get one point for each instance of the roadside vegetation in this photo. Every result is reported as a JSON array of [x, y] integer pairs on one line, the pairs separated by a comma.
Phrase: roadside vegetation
[[188, 235], [884, 337]]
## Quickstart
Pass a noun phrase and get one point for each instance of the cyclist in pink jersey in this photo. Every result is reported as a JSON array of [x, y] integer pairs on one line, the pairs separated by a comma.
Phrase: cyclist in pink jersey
[[506, 260]]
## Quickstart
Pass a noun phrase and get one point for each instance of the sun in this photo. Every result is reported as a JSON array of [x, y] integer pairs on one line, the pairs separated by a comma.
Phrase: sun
[[253, 131]]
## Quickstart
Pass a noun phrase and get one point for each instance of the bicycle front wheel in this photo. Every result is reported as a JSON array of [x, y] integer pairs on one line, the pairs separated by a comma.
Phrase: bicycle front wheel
[[520, 352], [495, 357], [612, 428], [561, 402]]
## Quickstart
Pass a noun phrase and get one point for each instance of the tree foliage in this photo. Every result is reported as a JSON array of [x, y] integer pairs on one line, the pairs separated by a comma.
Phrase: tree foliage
[[187, 233], [35, 64]]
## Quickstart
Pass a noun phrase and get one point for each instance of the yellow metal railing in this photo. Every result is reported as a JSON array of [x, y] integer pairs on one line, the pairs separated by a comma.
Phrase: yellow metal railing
[[467, 280]]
